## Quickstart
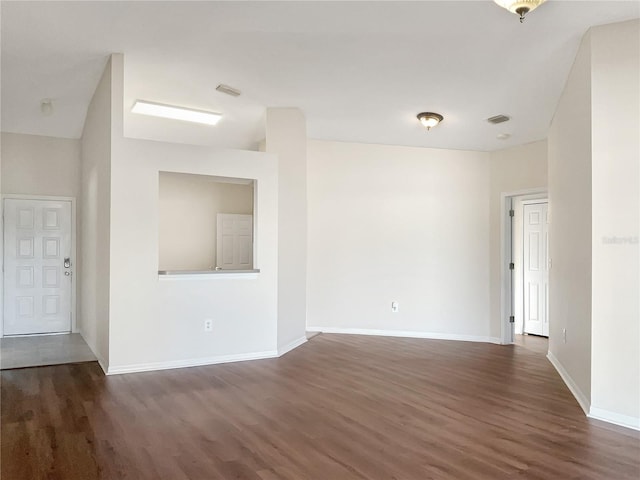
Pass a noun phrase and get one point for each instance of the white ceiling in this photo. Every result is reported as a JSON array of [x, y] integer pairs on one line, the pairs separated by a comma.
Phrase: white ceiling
[[360, 71]]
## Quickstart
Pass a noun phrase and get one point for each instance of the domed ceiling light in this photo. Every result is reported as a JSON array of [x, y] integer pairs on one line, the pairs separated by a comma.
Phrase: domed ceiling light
[[520, 7], [430, 119]]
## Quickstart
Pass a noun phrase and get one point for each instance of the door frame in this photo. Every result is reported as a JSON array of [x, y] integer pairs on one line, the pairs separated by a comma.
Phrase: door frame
[[74, 256], [507, 283]]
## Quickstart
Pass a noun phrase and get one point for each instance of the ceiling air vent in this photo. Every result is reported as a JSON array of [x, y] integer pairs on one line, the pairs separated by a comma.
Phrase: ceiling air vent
[[228, 90], [498, 119]]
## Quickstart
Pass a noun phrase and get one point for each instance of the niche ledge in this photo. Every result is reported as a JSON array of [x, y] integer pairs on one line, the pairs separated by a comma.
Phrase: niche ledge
[[207, 274]]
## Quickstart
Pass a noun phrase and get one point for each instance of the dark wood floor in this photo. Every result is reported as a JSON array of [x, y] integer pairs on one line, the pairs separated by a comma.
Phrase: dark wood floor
[[337, 408]]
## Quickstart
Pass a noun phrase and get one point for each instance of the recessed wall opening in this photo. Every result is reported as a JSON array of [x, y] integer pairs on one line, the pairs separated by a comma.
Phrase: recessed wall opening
[[525, 270], [206, 223]]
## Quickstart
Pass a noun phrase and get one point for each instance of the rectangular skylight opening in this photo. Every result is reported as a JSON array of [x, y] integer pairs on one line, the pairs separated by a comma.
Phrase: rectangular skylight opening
[[176, 113]]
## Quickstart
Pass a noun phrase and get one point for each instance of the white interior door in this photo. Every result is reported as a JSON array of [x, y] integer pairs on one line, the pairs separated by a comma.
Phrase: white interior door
[[37, 266], [536, 268], [234, 250]]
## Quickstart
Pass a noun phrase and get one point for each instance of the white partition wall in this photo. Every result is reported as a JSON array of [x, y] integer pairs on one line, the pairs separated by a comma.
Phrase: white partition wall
[[615, 343]]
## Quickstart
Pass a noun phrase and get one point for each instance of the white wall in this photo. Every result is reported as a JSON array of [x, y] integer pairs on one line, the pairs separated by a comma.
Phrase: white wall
[[159, 322], [287, 137], [398, 224], [511, 170], [36, 165], [1, 242], [570, 226], [189, 205], [95, 219], [615, 343]]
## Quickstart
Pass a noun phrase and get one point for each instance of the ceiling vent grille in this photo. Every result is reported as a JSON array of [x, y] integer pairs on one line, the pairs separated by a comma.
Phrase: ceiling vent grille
[[498, 119], [228, 90]]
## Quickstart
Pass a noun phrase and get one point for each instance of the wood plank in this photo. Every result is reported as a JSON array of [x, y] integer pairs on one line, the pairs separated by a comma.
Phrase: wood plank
[[339, 407]]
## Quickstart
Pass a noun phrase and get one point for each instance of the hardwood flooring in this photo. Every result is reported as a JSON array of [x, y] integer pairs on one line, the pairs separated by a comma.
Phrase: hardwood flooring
[[337, 408]]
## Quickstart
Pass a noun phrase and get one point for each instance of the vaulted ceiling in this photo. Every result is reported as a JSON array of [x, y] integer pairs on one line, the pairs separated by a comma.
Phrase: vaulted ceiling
[[360, 71]]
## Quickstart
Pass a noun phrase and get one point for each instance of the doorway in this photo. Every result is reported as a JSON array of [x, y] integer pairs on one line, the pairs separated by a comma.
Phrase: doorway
[[38, 300], [37, 266], [525, 265]]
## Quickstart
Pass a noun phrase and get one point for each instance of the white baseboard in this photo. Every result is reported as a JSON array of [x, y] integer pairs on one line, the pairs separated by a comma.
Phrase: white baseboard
[[103, 366], [94, 350], [615, 418], [582, 399], [291, 345], [195, 362], [405, 333]]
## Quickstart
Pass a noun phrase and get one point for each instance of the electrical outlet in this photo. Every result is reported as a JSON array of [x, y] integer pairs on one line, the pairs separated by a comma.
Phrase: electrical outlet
[[394, 307], [564, 335], [208, 325]]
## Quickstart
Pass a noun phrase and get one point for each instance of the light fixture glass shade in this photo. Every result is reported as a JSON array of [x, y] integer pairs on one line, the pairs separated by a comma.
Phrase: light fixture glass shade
[[519, 6], [429, 119], [176, 113]]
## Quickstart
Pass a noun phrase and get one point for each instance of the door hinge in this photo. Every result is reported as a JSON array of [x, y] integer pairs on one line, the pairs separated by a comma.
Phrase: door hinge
[[512, 266], [512, 319], [511, 213]]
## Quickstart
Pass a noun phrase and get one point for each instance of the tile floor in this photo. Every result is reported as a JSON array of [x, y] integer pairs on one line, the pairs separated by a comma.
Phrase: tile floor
[[38, 350]]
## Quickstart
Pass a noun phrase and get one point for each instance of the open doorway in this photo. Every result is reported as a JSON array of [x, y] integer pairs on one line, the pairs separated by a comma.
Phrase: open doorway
[[525, 270]]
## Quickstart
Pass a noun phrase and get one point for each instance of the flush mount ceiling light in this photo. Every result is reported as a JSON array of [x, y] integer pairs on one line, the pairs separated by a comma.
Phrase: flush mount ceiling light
[[176, 113], [520, 7], [430, 119]]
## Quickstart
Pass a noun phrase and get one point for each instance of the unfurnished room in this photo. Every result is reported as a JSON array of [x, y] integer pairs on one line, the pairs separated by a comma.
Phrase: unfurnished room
[[320, 240]]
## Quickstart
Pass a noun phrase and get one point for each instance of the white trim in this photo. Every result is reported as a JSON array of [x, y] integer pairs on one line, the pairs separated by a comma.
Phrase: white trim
[[573, 387], [93, 349], [103, 364], [533, 201], [192, 362], [506, 330], [405, 333], [51, 198], [74, 256], [615, 418], [291, 345]]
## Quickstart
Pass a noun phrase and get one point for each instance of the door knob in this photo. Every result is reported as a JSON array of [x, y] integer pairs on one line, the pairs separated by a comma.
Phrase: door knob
[[67, 273], [67, 262]]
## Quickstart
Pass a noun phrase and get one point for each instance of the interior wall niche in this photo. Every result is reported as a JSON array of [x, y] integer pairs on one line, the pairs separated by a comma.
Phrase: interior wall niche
[[190, 209]]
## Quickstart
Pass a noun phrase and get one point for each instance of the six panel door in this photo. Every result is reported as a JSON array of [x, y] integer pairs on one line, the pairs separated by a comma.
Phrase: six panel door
[[37, 285], [234, 242], [536, 269]]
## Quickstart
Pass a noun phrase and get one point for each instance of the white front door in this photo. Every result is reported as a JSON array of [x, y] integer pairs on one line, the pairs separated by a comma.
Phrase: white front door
[[234, 238], [536, 271], [37, 266]]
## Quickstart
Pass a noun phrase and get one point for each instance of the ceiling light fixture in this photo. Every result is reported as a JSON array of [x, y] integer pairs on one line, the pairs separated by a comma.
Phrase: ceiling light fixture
[[430, 119], [520, 7], [176, 113], [46, 106]]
